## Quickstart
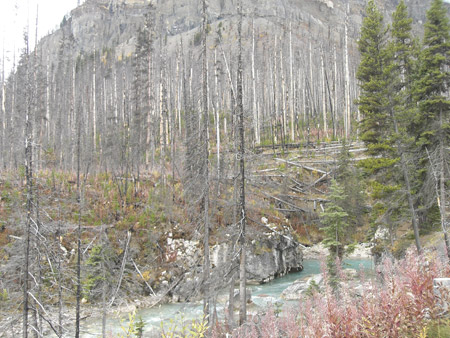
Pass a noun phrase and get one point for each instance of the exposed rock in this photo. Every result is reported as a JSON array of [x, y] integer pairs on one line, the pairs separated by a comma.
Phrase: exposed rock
[[267, 257], [317, 251], [362, 250], [296, 290]]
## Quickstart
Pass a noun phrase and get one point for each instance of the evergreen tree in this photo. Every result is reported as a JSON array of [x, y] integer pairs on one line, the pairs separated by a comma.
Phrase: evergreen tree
[[336, 230], [335, 220], [385, 102], [402, 49], [430, 125], [350, 178], [375, 103], [373, 81]]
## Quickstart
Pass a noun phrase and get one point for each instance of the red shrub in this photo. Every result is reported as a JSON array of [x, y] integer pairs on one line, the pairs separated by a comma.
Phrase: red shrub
[[398, 303]]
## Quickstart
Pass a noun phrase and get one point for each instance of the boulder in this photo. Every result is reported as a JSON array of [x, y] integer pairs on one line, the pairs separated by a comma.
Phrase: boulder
[[296, 290]]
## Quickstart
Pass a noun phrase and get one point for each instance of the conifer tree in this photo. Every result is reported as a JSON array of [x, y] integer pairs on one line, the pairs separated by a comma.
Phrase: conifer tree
[[385, 72], [430, 125], [350, 178], [373, 82], [402, 48], [374, 103], [335, 220]]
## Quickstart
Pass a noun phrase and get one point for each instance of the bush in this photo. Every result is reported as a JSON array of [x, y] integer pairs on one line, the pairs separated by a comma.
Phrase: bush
[[399, 303]]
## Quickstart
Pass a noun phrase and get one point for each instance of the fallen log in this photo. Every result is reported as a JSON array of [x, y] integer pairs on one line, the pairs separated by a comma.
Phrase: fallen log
[[284, 202], [300, 165]]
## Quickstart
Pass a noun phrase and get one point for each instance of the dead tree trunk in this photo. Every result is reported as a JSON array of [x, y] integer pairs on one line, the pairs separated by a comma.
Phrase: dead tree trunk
[[78, 294], [241, 154], [29, 185], [206, 260]]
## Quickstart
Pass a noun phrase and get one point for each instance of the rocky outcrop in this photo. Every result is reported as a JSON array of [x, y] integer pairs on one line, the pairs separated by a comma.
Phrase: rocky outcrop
[[269, 256]]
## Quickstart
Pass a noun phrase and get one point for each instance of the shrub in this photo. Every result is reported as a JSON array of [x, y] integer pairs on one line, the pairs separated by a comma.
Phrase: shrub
[[398, 303]]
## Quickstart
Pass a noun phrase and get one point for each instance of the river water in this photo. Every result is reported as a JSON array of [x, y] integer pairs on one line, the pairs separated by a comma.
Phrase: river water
[[262, 295]]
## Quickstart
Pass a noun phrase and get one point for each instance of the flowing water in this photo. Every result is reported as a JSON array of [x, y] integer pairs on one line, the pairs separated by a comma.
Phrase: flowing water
[[262, 295]]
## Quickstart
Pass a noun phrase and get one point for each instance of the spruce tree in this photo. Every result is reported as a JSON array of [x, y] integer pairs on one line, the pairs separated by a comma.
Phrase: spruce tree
[[374, 74], [336, 230], [350, 178], [335, 220], [430, 125], [401, 50], [385, 73], [373, 81]]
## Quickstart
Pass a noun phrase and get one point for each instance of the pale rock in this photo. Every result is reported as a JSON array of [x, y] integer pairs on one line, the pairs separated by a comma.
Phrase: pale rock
[[296, 290]]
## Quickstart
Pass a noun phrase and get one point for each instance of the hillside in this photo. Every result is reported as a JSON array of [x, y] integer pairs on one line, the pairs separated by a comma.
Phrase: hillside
[[298, 50], [163, 152]]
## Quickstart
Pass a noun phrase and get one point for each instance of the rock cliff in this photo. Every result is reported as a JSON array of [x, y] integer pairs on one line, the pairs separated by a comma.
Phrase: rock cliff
[[270, 255], [99, 24]]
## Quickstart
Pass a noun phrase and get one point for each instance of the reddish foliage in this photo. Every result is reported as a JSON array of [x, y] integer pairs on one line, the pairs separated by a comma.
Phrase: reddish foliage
[[398, 304]]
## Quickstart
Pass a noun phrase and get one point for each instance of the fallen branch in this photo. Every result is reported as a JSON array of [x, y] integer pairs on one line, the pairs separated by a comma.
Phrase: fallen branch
[[284, 202], [122, 268], [301, 165], [265, 170], [322, 178], [140, 274]]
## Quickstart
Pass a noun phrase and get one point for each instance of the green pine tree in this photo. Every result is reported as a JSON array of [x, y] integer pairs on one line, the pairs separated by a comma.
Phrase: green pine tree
[[350, 178], [433, 81], [375, 103], [335, 220], [336, 231], [431, 123], [402, 51], [386, 104], [373, 81]]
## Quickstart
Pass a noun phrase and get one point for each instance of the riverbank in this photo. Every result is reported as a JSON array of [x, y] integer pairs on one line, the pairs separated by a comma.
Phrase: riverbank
[[317, 251]]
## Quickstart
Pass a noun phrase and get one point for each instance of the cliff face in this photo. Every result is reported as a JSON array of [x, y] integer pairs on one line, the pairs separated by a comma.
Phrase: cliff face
[[113, 23]]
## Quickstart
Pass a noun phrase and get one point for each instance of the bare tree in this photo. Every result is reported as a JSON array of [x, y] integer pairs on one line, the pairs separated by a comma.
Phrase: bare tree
[[29, 185], [241, 157], [205, 202]]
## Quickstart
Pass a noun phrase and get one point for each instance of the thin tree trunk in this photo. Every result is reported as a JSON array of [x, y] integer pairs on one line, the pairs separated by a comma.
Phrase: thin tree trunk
[[60, 300], [283, 98], [94, 105], [404, 167], [324, 96], [216, 108], [241, 154], [122, 269], [335, 84], [3, 114], [442, 188], [292, 89], [78, 294], [104, 284], [206, 259], [347, 81], [29, 185], [231, 323], [254, 101]]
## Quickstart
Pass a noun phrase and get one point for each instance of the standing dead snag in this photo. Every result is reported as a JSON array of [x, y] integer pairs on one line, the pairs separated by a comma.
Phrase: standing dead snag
[[29, 185], [241, 153], [206, 259]]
